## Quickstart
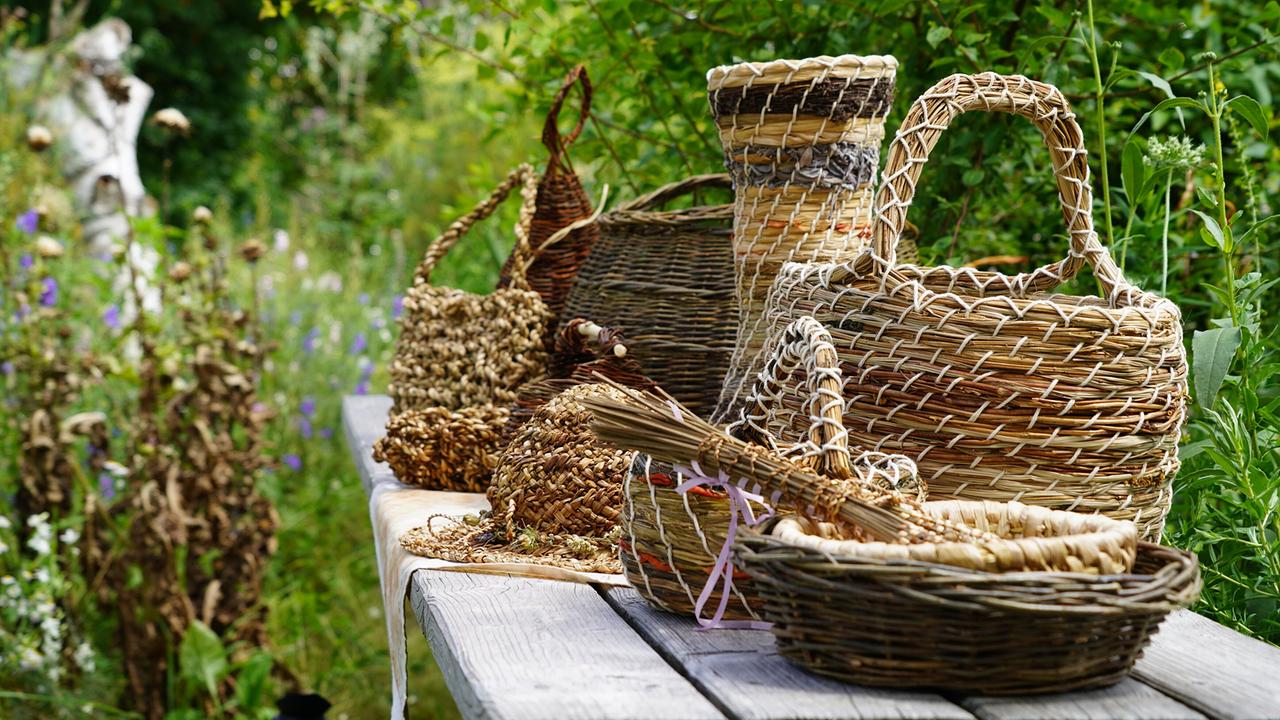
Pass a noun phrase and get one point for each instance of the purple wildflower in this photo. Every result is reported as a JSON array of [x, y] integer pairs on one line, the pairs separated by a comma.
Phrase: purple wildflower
[[111, 317], [304, 428], [359, 343], [49, 293], [26, 261], [107, 486], [7, 367], [362, 388], [363, 298], [309, 342], [29, 222], [326, 433], [397, 307], [295, 317], [293, 461], [307, 407]]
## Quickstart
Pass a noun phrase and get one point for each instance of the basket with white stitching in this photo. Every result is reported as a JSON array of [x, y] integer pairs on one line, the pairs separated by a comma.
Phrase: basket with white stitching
[[998, 387]]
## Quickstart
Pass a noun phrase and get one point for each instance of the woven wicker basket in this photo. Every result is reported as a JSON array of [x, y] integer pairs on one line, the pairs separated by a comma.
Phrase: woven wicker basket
[[561, 202], [802, 142], [842, 609], [997, 388], [670, 540], [664, 278]]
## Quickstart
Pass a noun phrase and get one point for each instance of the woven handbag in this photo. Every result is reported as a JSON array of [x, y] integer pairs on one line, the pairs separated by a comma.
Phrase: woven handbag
[[998, 388], [460, 358], [665, 280], [561, 202], [801, 141], [671, 541]]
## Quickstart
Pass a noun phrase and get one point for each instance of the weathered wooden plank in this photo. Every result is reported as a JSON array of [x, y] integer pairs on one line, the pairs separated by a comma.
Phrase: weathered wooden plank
[[1213, 668], [521, 648], [1126, 700], [743, 674], [364, 418]]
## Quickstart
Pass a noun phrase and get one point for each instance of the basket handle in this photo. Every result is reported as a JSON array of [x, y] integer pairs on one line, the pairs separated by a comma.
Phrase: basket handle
[[1043, 104], [557, 144], [521, 254], [674, 190], [805, 343]]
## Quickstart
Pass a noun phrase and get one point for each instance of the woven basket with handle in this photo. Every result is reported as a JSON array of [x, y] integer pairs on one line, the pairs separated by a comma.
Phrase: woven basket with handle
[[998, 387], [460, 358], [665, 280]]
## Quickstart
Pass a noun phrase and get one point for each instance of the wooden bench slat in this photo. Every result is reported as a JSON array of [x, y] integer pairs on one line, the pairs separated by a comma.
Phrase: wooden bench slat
[[364, 419], [743, 674], [1126, 700], [1213, 668], [523, 648]]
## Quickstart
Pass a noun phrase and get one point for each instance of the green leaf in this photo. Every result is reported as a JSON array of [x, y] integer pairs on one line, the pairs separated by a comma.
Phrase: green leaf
[[251, 680], [1172, 58], [1255, 228], [1214, 231], [1207, 198], [202, 657], [1132, 170], [1158, 82], [972, 177], [1211, 354], [1251, 110], [937, 34]]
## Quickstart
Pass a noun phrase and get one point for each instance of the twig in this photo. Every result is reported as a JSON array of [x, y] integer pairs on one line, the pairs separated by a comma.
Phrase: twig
[[1176, 77]]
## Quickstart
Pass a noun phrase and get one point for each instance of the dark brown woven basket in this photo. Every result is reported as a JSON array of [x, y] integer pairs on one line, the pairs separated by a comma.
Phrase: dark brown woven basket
[[561, 202], [913, 624], [665, 279]]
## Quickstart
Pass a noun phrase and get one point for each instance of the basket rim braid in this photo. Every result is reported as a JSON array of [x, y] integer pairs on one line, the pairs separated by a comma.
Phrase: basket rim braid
[[786, 70], [647, 209], [1029, 538]]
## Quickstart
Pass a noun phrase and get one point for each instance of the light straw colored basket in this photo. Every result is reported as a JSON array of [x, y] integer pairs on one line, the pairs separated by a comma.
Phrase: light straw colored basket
[[802, 142], [998, 389]]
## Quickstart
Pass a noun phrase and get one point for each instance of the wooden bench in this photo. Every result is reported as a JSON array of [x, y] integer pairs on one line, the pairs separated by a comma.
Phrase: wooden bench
[[526, 648]]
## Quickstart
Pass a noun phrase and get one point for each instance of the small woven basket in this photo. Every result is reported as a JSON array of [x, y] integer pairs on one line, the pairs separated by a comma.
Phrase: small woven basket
[[561, 202], [665, 279], [670, 540], [801, 141], [998, 387], [850, 611]]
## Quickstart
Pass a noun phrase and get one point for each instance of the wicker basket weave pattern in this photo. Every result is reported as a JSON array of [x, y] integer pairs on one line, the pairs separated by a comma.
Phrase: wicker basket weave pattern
[[998, 389], [802, 142]]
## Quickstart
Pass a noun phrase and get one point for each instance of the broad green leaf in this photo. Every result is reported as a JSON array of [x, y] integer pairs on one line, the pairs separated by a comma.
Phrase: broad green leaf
[[251, 680], [1250, 110], [937, 34], [1172, 58], [202, 656], [1244, 237], [1207, 198], [1158, 82], [1132, 170], [972, 177], [1214, 232], [1211, 354]]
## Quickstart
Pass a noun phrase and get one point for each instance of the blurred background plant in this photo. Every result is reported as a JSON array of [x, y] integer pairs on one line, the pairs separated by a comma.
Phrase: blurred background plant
[[331, 140]]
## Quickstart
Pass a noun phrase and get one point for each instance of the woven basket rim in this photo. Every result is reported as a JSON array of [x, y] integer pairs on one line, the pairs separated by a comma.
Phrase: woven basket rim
[[737, 74], [1089, 531]]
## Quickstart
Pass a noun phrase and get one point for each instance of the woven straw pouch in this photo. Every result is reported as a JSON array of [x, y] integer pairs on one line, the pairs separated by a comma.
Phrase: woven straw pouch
[[561, 203], [996, 387], [665, 279], [460, 358], [801, 141], [556, 496]]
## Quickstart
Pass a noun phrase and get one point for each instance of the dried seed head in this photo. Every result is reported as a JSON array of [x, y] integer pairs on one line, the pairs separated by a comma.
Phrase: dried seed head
[[173, 120], [253, 251], [180, 271], [39, 138], [202, 215], [47, 247]]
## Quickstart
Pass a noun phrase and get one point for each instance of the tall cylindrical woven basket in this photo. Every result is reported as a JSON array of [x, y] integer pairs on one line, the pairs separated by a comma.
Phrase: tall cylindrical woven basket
[[665, 280], [561, 202], [997, 386], [802, 142]]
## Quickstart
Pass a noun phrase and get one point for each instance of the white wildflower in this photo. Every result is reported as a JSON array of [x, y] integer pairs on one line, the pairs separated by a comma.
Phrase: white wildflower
[[280, 240], [30, 659], [84, 657], [1176, 153], [5, 524], [48, 247], [301, 262], [4, 548], [69, 536]]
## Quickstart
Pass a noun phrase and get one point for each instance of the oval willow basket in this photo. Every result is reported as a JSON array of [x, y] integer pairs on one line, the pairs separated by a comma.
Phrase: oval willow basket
[[664, 279], [801, 141], [846, 610], [670, 540], [997, 387]]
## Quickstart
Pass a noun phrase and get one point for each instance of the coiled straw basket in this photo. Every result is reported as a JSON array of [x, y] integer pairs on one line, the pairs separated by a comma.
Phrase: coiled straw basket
[[997, 387], [802, 142], [665, 280], [670, 540]]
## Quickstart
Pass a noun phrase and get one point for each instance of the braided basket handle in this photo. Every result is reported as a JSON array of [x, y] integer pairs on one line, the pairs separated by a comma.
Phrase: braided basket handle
[[551, 138], [1043, 104], [804, 343], [521, 254], [671, 191]]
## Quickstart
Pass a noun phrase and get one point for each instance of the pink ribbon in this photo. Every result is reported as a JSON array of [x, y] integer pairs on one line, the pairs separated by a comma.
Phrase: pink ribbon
[[740, 501]]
